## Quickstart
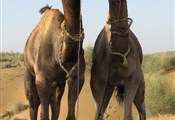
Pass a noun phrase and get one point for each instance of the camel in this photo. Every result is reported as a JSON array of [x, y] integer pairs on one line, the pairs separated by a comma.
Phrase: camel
[[117, 59], [52, 56]]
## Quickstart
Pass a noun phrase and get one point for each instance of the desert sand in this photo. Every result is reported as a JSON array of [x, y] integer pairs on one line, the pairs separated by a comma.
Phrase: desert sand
[[12, 91]]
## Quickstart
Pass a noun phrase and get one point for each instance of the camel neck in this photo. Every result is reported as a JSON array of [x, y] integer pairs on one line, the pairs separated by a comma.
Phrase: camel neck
[[73, 33], [72, 15], [118, 10]]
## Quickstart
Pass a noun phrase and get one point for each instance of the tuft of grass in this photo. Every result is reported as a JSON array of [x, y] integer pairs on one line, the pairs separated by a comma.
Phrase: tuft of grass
[[7, 115], [17, 108]]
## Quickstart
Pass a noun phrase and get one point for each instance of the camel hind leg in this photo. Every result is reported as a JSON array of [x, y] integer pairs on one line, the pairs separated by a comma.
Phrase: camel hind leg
[[101, 91], [102, 96], [43, 85], [131, 88], [31, 94], [55, 99], [139, 100]]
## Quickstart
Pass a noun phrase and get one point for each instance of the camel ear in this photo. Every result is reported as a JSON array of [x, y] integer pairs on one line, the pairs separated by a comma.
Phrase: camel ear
[[43, 9], [60, 17]]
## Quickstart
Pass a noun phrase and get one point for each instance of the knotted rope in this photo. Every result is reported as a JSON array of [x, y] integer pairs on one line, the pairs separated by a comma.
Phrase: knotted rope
[[125, 61], [74, 37], [123, 31]]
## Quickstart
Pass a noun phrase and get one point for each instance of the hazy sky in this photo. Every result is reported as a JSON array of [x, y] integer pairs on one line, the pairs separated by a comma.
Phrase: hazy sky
[[153, 22]]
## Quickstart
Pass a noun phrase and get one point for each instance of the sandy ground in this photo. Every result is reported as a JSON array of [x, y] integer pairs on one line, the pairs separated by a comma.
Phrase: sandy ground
[[12, 91]]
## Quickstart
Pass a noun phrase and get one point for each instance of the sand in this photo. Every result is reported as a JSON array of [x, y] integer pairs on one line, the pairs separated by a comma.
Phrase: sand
[[12, 91]]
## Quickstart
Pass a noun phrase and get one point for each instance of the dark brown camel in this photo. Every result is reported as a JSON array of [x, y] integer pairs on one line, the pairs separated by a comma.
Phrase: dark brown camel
[[51, 55], [117, 59]]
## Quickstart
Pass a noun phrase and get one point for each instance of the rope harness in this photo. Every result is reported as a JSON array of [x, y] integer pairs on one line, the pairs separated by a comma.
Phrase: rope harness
[[74, 38], [123, 31]]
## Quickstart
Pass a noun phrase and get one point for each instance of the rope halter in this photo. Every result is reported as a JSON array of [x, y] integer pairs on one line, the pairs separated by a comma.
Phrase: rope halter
[[75, 37], [123, 31]]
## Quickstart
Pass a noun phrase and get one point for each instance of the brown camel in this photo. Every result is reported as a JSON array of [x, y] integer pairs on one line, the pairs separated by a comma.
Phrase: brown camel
[[52, 56], [117, 59]]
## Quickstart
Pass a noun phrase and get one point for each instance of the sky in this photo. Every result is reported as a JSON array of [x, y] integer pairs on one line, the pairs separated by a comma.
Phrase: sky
[[153, 22]]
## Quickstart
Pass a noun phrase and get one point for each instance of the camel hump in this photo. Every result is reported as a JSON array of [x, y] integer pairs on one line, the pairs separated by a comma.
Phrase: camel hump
[[43, 9]]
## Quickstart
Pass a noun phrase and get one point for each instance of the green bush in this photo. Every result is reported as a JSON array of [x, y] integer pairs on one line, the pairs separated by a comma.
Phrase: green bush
[[169, 60], [88, 56], [151, 63], [159, 61], [10, 59], [160, 95]]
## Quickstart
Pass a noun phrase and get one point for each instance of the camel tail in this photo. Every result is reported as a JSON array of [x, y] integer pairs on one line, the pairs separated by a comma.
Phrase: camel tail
[[120, 93], [43, 9]]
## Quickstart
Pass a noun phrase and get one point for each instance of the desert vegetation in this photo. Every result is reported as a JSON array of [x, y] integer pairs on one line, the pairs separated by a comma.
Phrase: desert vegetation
[[158, 62], [16, 108], [160, 91], [10, 59], [88, 56]]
